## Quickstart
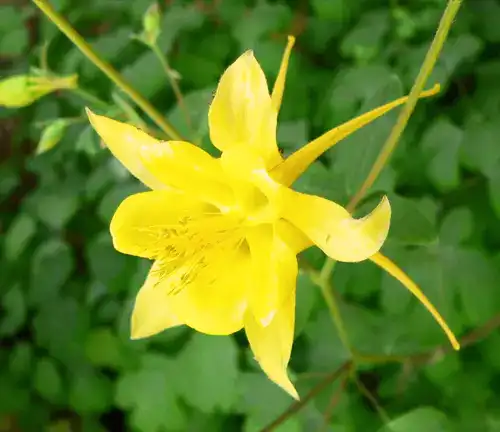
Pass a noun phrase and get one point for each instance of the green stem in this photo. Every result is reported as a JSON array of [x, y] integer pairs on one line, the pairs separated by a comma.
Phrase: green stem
[[428, 65], [106, 68], [89, 97], [323, 281], [173, 82]]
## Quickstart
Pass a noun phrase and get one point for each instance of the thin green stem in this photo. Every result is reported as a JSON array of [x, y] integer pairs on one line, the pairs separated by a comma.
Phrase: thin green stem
[[322, 279], [105, 67], [428, 65], [89, 97], [175, 86]]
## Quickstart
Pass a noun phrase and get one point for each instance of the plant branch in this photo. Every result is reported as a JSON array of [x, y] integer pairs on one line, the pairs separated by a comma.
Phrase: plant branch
[[105, 67], [297, 406], [429, 62]]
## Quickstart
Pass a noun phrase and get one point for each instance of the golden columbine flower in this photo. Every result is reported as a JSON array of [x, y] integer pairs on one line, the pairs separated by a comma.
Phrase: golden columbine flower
[[224, 232]]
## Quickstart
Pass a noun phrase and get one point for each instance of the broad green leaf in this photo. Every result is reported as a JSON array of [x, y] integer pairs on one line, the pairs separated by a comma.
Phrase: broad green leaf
[[14, 32], [51, 135], [47, 380], [365, 40], [494, 187], [90, 392], [106, 265], [145, 75], [292, 135], [325, 347], [421, 419], [359, 281], [353, 158], [457, 226], [413, 221], [151, 395], [441, 144], [307, 299], [21, 231], [481, 151], [15, 311], [21, 360], [262, 401], [476, 276], [63, 342], [103, 348], [212, 391], [197, 104], [179, 18], [334, 12], [88, 142], [52, 265], [114, 197], [260, 21], [55, 208]]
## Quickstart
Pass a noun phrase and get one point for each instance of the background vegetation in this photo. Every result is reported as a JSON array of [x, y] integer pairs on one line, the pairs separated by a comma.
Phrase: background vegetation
[[66, 361]]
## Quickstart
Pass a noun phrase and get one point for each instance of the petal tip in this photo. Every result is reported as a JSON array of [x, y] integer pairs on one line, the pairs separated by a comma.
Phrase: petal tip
[[291, 40]]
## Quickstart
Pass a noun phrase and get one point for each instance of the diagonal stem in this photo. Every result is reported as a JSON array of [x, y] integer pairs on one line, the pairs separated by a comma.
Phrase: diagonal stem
[[429, 62], [105, 67]]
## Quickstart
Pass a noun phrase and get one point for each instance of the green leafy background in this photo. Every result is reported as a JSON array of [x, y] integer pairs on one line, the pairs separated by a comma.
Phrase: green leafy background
[[66, 361]]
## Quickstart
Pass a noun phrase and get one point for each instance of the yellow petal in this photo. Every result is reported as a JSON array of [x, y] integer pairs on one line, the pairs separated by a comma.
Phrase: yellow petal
[[146, 223], [333, 229], [279, 84], [291, 168], [242, 112], [152, 309], [272, 345], [187, 167], [274, 270], [296, 240], [391, 268], [215, 302], [125, 142]]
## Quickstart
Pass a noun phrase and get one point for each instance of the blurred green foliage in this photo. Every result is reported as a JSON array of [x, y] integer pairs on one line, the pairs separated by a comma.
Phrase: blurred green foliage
[[66, 361]]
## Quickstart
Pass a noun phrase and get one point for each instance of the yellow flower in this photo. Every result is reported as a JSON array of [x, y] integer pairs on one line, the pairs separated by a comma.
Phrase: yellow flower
[[224, 232]]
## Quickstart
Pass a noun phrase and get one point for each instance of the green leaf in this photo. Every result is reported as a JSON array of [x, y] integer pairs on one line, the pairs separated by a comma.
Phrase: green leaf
[[179, 18], [477, 279], [106, 264], [20, 232], [307, 299], [88, 142], [457, 226], [21, 360], [51, 135], [90, 392], [151, 22], [326, 349], [261, 20], [213, 391], [365, 40], [338, 11], [494, 187], [47, 380], [103, 348], [63, 342], [55, 209], [15, 313], [262, 401], [14, 32], [197, 104], [353, 158], [413, 221], [114, 197], [421, 419], [292, 135], [441, 144], [151, 395], [481, 151], [52, 265]]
